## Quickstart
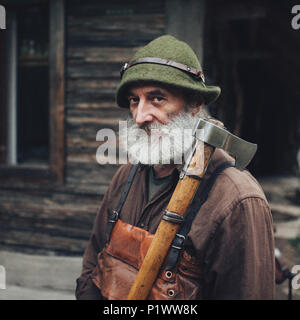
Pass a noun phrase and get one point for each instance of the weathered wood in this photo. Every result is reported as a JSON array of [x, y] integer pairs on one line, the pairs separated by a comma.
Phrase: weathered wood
[[90, 173], [88, 127], [81, 190], [78, 68], [94, 105], [40, 174], [92, 83], [10, 223], [33, 217], [41, 171], [41, 241], [102, 115], [135, 25], [116, 8], [45, 200], [100, 40], [57, 88], [90, 95], [37, 216]]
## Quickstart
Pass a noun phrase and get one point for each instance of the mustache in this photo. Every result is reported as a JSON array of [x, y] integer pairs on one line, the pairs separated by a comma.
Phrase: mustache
[[162, 142], [178, 120]]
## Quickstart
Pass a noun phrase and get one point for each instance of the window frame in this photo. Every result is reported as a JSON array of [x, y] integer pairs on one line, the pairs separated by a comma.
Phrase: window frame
[[53, 171]]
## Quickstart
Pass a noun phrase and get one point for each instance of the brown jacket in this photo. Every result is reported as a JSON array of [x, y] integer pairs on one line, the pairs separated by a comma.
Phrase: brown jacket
[[231, 236]]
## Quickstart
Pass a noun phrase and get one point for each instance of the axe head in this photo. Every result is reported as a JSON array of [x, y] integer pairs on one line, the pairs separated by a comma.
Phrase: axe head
[[218, 137]]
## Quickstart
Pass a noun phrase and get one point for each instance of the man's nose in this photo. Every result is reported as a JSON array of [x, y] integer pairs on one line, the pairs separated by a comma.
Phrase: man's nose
[[143, 113]]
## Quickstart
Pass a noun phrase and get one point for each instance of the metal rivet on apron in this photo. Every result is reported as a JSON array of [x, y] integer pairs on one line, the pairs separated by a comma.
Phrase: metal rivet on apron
[[168, 274], [171, 293]]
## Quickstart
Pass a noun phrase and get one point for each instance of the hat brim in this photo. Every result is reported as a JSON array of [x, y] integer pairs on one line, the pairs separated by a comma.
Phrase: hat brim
[[145, 73]]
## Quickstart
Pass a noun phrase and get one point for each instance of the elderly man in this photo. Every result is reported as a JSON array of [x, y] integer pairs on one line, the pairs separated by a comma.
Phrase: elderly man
[[228, 247]]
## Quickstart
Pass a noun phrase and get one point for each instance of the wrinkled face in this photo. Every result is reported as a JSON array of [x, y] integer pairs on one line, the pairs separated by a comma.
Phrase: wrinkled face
[[160, 129], [154, 104]]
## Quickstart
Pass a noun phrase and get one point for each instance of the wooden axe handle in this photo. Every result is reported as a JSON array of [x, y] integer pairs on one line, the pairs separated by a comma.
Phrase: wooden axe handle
[[166, 231]]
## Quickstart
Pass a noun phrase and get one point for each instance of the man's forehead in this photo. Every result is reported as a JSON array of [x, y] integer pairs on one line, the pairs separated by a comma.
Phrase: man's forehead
[[153, 89]]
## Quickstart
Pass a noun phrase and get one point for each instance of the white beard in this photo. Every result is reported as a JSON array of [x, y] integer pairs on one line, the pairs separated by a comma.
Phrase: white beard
[[158, 144]]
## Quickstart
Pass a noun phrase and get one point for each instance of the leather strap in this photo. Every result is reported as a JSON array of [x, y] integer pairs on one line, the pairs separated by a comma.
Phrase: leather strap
[[195, 72], [114, 215], [172, 217], [178, 242]]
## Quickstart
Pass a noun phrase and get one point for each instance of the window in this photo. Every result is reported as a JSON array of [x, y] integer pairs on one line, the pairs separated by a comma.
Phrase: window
[[32, 91]]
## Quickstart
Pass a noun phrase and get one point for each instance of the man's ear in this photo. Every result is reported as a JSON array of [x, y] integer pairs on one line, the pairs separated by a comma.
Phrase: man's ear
[[195, 110]]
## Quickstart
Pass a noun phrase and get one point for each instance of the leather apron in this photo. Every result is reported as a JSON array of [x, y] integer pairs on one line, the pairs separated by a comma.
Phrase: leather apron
[[118, 264]]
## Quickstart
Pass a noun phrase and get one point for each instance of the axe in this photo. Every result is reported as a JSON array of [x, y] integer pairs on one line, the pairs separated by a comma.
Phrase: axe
[[208, 134]]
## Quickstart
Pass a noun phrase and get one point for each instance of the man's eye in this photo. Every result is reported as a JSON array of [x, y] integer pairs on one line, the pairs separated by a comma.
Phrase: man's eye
[[133, 100], [158, 99]]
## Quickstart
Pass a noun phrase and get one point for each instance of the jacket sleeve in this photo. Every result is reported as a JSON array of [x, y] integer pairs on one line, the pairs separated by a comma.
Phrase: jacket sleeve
[[240, 261], [85, 288]]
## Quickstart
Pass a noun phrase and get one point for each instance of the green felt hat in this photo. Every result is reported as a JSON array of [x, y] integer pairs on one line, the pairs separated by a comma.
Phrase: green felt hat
[[153, 63]]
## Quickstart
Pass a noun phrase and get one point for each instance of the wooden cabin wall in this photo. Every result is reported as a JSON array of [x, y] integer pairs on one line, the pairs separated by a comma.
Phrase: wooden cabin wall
[[100, 37]]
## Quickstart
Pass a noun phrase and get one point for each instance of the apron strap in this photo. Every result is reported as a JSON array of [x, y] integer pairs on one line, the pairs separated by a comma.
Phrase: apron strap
[[178, 242], [114, 215]]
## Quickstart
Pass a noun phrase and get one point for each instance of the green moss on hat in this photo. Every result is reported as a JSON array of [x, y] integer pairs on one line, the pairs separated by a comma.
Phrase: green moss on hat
[[165, 47]]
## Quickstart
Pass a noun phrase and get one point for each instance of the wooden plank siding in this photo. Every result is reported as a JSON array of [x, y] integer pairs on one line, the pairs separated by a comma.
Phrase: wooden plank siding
[[99, 37], [57, 90]]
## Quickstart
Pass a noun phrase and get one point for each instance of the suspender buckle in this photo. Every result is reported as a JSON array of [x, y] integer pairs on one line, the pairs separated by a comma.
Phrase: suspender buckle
[[178, 241], [113, 216]]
